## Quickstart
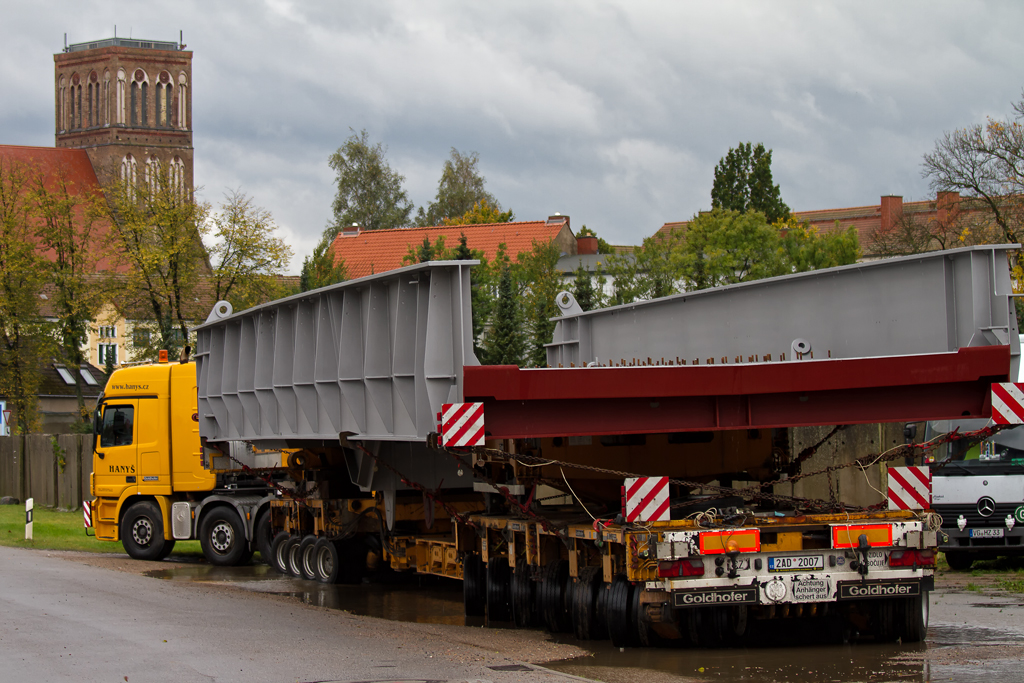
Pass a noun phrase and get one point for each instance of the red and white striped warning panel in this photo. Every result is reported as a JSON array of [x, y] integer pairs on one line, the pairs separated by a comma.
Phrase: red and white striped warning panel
[[87, 513], [910, 488], [647, 499], [1008, 403], [462, 424]]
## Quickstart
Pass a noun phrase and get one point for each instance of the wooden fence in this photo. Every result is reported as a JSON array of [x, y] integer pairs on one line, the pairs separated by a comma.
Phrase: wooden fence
[[47, 480]]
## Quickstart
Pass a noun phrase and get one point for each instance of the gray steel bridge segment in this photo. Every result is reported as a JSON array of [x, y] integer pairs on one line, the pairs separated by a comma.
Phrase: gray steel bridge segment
[[936, 302], [373, 358]]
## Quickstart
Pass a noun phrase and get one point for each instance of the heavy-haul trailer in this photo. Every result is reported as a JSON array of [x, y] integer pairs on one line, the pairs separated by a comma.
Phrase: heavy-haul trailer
[[685, 395]]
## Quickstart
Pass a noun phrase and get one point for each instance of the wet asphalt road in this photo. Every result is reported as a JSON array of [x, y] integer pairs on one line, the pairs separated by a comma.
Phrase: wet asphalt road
[[219, 635], [65, 621]]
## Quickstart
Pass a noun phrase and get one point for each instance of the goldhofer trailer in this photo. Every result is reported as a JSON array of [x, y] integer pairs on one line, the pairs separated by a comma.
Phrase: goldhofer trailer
[[648, 414]]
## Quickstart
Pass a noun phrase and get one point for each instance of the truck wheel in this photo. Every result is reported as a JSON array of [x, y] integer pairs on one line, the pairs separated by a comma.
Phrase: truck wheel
[[142, 532], [292, 554], [584, 605], [622, 626], [555, 598], [958, 560], [264, 534], [326, 561], [277, 558], [222, 537], [912, 617], [498, 589], [474, 586], [523, 598], [307, 560]]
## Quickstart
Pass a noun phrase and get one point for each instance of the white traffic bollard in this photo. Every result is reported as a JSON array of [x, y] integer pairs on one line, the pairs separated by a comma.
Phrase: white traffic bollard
[[28, 519]]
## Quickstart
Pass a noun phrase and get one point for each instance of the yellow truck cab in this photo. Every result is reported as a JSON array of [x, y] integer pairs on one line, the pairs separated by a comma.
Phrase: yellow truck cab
[[151, 482]]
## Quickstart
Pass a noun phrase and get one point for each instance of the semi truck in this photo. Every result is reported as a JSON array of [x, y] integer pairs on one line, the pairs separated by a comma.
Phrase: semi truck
[[633, 489]]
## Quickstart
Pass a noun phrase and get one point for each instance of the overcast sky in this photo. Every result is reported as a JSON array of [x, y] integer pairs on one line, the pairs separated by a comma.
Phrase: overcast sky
[[614, 113]]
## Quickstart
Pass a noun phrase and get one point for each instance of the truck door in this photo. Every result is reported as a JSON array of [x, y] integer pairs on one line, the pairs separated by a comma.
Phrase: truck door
[[154, 471], [116, 461]]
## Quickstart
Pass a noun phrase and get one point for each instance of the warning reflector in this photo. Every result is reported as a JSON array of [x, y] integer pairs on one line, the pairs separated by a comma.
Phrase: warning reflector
[[647, 499], [719, 542], [462, 424], [910, 488], [1008, 403], [848, 535], [87, 513]]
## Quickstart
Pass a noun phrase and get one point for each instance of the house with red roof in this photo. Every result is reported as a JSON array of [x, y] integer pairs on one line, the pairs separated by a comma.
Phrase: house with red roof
[[366, 252], [947, 209]]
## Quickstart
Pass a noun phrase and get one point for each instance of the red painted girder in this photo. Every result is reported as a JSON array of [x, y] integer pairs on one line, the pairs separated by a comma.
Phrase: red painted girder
[[540, 402]]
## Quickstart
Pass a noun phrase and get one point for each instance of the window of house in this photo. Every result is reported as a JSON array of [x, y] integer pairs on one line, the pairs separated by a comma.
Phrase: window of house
[[105, 352], [65, 374], [87, 376], [117, 426], [141, 338], [108, 332]]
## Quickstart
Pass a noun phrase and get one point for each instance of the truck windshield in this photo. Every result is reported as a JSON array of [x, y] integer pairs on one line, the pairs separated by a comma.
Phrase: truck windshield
[[1005, 447]]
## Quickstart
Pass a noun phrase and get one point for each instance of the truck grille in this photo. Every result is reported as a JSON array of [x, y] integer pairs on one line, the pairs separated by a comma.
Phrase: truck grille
[[950, 513]]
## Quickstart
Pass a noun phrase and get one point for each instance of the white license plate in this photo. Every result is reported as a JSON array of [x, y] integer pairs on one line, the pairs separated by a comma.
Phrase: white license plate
[[796, 563], [986, 533]]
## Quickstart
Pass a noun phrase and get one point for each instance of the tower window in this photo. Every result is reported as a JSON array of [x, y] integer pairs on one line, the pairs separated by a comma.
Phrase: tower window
[[121, 86], [78, 94], [129, 170], [145, 117], [90, 105], [176, 174], [135, 104], [182, 101]]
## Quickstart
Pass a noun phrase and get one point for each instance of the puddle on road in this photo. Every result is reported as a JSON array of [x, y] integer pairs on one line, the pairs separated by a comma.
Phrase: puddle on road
[[963, 653], [423, 599]]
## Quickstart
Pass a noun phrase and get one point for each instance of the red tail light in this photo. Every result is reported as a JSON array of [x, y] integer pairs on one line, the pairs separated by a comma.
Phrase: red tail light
[[680, 568], [912, 558]]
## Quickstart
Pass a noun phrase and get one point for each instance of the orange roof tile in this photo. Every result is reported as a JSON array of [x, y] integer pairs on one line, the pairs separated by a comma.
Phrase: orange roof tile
[[377, 251]]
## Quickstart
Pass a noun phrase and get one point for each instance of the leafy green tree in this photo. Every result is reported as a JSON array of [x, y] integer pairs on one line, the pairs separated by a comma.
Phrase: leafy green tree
[[743, 182], [24, 342], [319, 269], [245, 253], [722, 247], [540, 282], [505, 344], [156, 234], [461, 188], [64, 218], [425, 252], [583, 289], [806, 248], [481, 213], [370, 192], [653, 270]]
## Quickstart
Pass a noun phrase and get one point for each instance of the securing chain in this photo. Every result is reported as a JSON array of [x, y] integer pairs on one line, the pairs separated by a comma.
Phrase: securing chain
[[263, 473], [523, 508]]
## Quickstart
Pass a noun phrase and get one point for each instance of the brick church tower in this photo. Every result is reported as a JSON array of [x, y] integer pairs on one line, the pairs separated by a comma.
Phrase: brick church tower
[[128, 104]]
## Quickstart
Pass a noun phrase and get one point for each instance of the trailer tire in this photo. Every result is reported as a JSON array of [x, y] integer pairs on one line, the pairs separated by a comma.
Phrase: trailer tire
[[307, 560], [959, 560], [584, 605], [277, 558], [622, 626], [327, 561], [912, 617], [291, 551], [222, 537], [142, 532], [885, 615], [499, 606], [474, 586], [555, 597], [264, 533], [524, 599]]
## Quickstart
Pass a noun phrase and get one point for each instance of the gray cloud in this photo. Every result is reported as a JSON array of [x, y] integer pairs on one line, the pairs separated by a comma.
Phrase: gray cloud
[[613, 113]]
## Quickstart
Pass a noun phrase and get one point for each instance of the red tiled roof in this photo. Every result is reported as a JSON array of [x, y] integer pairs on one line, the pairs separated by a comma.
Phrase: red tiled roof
[[80, 177], [378, 251]]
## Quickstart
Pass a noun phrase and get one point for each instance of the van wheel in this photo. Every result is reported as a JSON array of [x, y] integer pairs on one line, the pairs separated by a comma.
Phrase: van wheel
[[958, 560], [142, 532], [222, 537]]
